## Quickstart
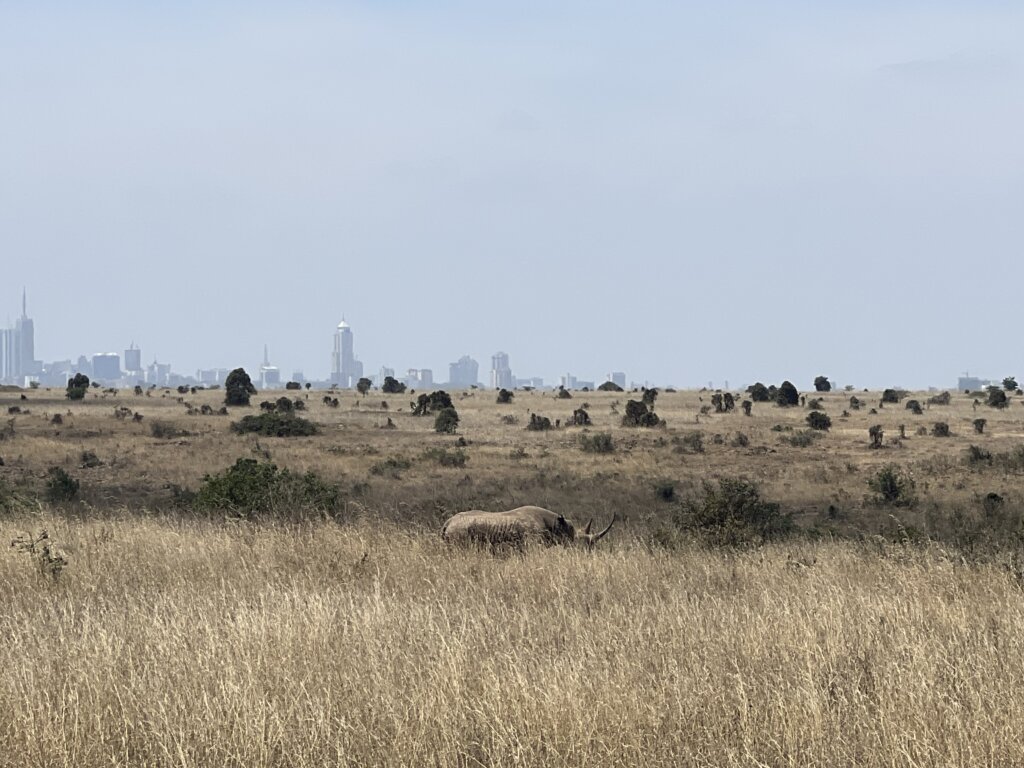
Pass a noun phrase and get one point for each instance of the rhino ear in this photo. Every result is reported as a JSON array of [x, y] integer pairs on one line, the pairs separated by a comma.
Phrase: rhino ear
[[590, 524]]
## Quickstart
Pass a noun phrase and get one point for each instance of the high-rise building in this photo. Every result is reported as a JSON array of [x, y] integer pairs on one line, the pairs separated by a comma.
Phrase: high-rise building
[[132, 358], [270, 375], [464, 373], [501, 374], [345, 369], [106, 366], [17, 348], [617, 377]]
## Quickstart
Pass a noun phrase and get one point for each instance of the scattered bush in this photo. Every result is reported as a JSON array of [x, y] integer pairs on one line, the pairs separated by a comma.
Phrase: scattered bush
[[638, 415], [942, 399], [723, 403], [893, 486], [732, 513], [855, 403], [390, 467], [997, 398], [275, 424], [822, 384], [759, 393], [392, 386], [746, 405], [891, 396], [740, 441], [914, 407], [504, 396], [293, 385], [435, 402], [238, 388], [250, 488], [786, 395], [447, 421], [363, 385], [877, 435], [598, 443], [648, 396], [538, 423], [509, 418], [692, 442], [818, 420], [610, 386], [445, 458], [60, 486], [979, 426], [665, 490], [563, 394], [330, 402], [164, 431], [978, 455], [940, 429], [803, 439], [1010, 384]]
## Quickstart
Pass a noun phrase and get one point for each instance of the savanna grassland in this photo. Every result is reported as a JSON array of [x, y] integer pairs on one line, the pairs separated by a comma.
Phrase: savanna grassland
[[326, 623]]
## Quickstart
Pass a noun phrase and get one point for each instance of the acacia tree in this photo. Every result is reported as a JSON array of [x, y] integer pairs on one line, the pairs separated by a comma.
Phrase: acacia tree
[[363, 385], [822, 384], [238, 387]]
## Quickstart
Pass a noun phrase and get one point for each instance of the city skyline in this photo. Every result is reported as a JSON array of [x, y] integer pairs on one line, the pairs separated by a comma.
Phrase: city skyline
[[17, 344]]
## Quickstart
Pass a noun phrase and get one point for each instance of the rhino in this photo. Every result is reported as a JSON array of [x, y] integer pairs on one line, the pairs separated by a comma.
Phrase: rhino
[[517, 527]]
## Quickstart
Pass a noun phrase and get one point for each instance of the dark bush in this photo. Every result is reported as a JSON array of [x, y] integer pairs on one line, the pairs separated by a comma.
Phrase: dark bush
[[877, 435], [580, 418], [732, 513], [940, 429], [691, 442], [818, 420], [392, 386], [164, 431], [610, 386], [649, 396], [390, 467], [445, 458], [891, 396], [275, 424], [238, 388], [598, 443], [293, 385], [822, 384], [802, 439], [979, 426], [60, 486], [746, 405], [78, 385], [855, 403], [1010, 384], [447, 421], [432, 403], [538, 423], [893, 486], [363, 385], [563, 394], [978, 455], [941, 399], [504, 397], [914, 407], [787, 396], [250, 488], [638, 415], [759, 393], [997, 398]]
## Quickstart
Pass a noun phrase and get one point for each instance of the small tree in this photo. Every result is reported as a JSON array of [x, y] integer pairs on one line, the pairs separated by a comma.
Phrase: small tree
[[432, 403], [60, 486], [979, 426], [563, 394], [580, 418], [787, 395], [504, 396], [893, 486], [914, 407], [822, 384], [78, 385], [746, 405], [538, 423], [610, 386], [238, 388], [649, 396], [446, 421], [363, 385], [891, 396], [293, 385], [1010, 384], [392, 386], [638, 415]]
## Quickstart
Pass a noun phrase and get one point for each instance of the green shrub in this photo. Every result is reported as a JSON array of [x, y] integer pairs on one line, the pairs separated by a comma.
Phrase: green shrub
[[600, 442], [60, 486], [391, 466], [803, 439], [164, 431], [504, 397], [275, 424], [446, 421], [893, 486], [732, 513], [442, 456], [997, 398], [691, 442], [818, 420], [392, 386], [978, 455], [238, 388], [78, 385], [610, 386], [435, 402], [250, 488]]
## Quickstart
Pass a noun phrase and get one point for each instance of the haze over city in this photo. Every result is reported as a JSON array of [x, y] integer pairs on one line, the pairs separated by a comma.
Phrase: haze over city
[[735, 192]]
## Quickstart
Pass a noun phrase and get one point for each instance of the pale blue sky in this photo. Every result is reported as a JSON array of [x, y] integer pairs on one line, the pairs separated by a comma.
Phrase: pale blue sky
[[686, 192]]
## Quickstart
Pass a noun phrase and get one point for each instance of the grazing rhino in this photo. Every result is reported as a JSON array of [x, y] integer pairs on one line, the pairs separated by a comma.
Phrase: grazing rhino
[[516, 527]]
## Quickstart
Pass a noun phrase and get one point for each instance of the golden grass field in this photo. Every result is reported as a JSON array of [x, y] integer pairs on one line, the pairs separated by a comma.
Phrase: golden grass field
[[878, 636]]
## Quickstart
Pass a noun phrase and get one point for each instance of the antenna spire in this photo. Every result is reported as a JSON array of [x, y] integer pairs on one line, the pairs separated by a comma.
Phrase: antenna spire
[[266, 357], [24, 302]]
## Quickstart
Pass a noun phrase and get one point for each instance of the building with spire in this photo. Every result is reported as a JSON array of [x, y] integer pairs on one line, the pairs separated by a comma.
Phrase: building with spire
[[18, 362], [501, 373], [270, 375], [346, 370]]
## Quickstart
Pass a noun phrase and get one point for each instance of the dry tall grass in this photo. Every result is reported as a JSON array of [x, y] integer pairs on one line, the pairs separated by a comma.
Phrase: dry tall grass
[[193, 644]]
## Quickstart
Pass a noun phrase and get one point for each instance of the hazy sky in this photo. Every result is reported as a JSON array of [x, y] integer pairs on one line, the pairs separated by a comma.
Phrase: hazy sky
[[687, 192]]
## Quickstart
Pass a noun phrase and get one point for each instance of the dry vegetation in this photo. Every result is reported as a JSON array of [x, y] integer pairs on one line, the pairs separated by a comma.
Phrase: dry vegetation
[[175, 636]]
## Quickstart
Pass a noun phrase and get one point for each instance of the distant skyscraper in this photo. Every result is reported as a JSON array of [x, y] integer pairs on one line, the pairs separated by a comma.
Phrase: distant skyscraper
[[270, 375], [464, 373], [17, 348], [617, 377], [106, 366], [133, 358], [501, 374], [345, 369]]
